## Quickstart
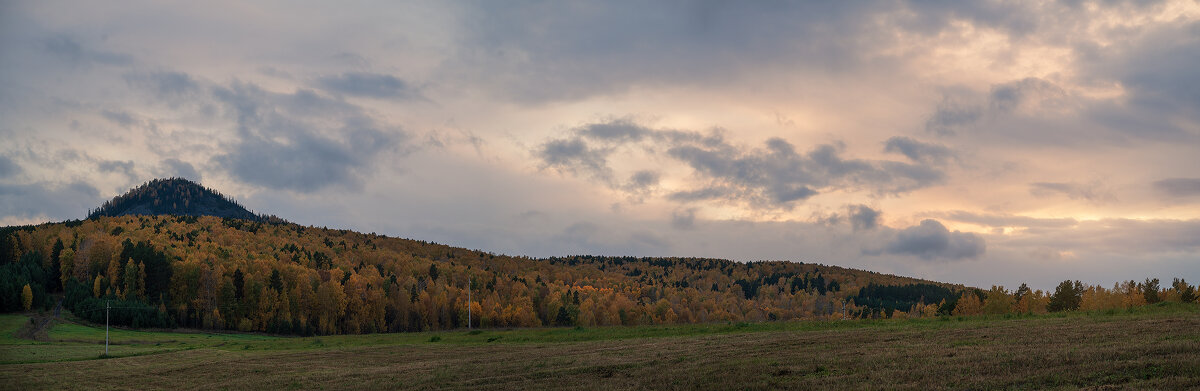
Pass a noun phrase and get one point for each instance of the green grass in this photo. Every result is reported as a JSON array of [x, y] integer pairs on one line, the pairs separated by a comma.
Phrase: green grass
[[9, 324], [1154, 346]]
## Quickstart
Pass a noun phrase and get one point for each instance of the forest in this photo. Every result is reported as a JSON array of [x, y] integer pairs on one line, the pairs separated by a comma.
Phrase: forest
[[271, 276]]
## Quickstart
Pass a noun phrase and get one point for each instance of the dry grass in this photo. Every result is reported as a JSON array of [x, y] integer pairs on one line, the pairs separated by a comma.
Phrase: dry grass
[[1121, 351]]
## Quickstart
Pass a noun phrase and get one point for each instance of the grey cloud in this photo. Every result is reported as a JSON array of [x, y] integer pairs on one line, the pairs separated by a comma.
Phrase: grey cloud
[[538, 52], [181, 169], [164, 85], [1179, 187], [779, 176], [119, 117], [951, 115], [369, 85], [707, 193], [641, 184], [776, 176], [961, 110], [286, 141], [1075, 191], [1009, 96], [586, 150], [863, 218], [307, 161], [575, 156], [54, 201], [643, 179], [117, 166], [620, 130], [932, 241], [933, 16], [683, 219], [1157, 68], [919, 151], [73, 52], [8, 167]]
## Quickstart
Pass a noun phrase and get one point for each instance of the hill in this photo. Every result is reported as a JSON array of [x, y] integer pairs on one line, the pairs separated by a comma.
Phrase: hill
[[173, 196], [223, 273]]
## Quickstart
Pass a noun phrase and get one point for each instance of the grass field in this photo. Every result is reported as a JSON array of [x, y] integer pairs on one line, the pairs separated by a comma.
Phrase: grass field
[[1154, 347]]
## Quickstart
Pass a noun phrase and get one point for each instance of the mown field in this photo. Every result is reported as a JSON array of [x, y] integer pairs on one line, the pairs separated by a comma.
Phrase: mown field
[[1153, 347]]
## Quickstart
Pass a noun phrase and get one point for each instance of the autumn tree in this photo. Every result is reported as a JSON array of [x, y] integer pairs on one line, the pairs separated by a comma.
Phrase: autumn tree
[[66, 261], [1186, 293], [27, 297], [998, 301], [968, 304]]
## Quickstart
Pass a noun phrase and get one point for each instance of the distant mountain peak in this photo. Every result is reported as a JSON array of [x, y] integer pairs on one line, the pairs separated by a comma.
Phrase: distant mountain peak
[[174, 196]]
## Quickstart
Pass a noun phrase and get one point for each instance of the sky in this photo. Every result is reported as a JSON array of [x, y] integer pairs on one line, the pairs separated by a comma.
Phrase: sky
[[983, 143]]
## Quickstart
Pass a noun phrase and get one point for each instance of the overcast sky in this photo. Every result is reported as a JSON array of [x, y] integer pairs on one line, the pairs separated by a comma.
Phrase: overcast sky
[[972, 142]]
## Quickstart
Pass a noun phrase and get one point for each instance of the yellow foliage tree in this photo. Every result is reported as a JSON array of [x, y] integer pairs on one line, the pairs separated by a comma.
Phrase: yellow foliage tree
[[97, 287], [999, 301], [968, 304], [27, 297], [66, 264]]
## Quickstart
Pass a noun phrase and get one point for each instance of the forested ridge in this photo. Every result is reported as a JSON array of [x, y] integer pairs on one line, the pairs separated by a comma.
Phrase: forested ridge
[[223, 273], [264, 274]]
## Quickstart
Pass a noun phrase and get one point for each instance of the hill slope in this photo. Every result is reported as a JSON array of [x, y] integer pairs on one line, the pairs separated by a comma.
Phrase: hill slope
[[221, 273], [173, 196]]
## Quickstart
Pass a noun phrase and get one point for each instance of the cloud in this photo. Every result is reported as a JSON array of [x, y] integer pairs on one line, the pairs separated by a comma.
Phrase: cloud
[[71, 51], [8, 168], [643, 179], [370, 85], [1179, 187], [952, 115], [863, 218], [932, 241], [1155, 65], [49, 200], [778, 176], [119, 117], [917, 151], [117, 166], [641, 184], [535, 52], [618, 130], [1030, 93], [683, 219], [964, 109], [181, 169], [774, 176], [575, 156], [164, 85], [300, 141], [1076, 191]]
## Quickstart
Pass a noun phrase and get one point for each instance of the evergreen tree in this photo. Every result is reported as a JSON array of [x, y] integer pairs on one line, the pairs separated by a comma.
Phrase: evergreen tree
[[1066, 297]]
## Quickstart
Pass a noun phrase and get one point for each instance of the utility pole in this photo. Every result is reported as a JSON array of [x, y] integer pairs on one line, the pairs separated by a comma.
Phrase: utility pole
[[106, 307]]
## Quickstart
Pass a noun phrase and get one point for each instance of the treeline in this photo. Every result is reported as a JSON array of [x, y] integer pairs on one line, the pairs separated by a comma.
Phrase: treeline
[[215, 273], [921, 300], [222, 273]]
